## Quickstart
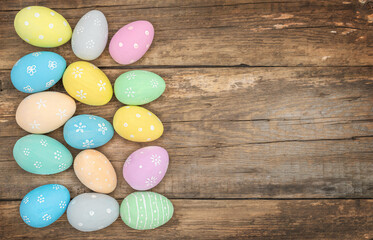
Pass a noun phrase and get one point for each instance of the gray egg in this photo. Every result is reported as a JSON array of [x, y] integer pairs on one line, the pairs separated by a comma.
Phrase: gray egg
[[89, 212], [90, 35]]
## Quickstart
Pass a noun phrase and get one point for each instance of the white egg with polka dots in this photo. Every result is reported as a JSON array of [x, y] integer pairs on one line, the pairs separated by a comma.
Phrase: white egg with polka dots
[[89, 212]]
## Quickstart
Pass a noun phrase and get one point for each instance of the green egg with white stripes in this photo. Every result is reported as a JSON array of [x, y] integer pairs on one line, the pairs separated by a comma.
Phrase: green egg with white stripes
[[146, 210]]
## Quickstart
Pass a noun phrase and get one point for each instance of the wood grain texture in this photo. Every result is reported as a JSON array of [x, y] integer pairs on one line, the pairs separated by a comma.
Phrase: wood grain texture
[[223, 219], [268, 115], [263, 33], [265, 132]]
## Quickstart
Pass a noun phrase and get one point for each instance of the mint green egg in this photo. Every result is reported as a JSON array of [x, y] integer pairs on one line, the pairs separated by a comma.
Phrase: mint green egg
[[41, 154], [146, 210], [138, 87]]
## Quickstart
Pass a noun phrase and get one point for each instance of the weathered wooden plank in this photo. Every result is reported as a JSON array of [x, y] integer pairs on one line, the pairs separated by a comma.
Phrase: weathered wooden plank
[[241, 94], [314, 169], [291, 33], [254, 132], [222, 219]]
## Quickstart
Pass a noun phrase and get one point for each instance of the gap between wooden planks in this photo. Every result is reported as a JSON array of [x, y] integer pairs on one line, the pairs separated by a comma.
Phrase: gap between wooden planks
[[236, 133], [221, 33], [309, 129], [223, 219]]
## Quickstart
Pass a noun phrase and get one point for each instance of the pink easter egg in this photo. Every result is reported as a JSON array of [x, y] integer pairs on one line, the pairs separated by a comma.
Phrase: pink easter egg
[[146, 167], [131, 42]]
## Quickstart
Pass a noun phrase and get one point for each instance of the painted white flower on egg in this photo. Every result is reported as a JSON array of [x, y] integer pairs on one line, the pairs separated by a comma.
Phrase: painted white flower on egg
[[62, 204], [31, 70], [88, 143], [57, 155], [26, 219], [26, 200], [81, 94], [43, 142], [52, 65], [129, 92], [36, 54], [61, 113], [38, 164], [26, 151], [154, 83], [28, 89], [46, 217], [77, 72], [79, 127], [41, 199], [41, 103], [34, 125], [101, 85], [49, 84], [102, 128], [156, 159], [150, 181], [62, 166], [131, 76]]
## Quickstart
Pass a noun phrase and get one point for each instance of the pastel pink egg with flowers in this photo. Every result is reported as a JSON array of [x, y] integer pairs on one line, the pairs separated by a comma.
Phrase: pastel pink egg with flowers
[[146, 167], [131, 42]]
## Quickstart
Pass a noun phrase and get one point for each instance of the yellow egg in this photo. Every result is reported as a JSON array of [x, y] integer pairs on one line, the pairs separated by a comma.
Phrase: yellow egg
[[137, 124], [87, 83], [42, 27]]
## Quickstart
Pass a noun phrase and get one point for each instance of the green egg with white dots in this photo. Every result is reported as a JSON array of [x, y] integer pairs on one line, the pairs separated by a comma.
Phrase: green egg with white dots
[[138, 87], [40, 154], [146, 210]]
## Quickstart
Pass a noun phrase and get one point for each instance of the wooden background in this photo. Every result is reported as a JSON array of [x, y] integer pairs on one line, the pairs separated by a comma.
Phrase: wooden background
[[268, 116]]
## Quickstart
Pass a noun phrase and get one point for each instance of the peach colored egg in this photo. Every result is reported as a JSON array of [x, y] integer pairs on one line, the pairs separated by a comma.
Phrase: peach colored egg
[[95, 171], [44, 112], [131, 42]]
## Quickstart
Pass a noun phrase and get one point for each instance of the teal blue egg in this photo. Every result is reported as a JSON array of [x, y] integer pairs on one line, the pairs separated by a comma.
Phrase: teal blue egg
[[44, 205], [41, 154], [38, 71], [87, 131]]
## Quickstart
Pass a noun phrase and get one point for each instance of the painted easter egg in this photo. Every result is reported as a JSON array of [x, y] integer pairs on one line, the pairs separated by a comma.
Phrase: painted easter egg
[[42, 27], [37, 71], [89, 212], [87, 131], [44, 205], [137, 124], [90, 35], [87, 84], [131, 42], [44, 112], [41, 154], [146, 167], [95, 171], [138, 87], [146, 210]]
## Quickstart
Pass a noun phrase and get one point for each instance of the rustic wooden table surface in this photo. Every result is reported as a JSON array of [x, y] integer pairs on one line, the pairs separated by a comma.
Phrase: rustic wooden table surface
[[268, 116]]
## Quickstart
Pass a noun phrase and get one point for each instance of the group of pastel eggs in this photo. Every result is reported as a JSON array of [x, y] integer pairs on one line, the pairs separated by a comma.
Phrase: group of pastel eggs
[[45, 111]]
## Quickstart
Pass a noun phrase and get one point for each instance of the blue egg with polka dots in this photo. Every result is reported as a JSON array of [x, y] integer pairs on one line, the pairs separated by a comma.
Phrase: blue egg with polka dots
[[44, 205], [37, 71], [87, 131]]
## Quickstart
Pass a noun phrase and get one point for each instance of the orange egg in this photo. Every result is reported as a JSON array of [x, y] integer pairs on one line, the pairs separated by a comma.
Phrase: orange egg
[[95, 171]]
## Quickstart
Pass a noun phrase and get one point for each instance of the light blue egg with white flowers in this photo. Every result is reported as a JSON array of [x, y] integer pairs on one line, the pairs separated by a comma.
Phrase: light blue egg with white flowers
[[37, 71], [87, 131], [44, 205]]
